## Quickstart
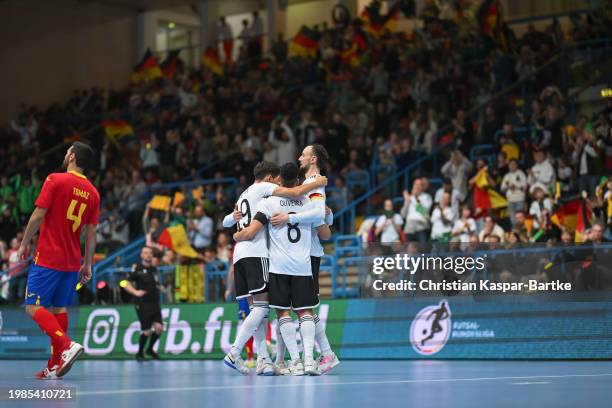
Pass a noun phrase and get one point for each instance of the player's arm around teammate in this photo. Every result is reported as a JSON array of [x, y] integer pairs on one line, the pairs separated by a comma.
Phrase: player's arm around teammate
[[293, 192]]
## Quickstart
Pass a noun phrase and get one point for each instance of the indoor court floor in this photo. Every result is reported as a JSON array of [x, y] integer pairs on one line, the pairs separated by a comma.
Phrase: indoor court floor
[[418, 384]]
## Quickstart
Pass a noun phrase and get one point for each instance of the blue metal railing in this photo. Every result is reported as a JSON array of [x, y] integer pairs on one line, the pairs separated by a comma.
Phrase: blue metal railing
[[118, 257], [346, 216], [213, 271]]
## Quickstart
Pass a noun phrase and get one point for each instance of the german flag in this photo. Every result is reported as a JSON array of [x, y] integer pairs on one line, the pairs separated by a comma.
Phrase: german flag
[[147, 68], [375, 23], [171, 63], [305, 43], [566, 215], [352, 55], [316, 197], [445, 139], [485, 196], [210, 59], [583, 221], [175, 239], [359, 38], [116, 129]]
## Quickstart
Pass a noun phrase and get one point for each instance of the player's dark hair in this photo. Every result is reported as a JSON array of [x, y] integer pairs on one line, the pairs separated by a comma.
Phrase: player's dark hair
[[265, 168], [289, 174], [84, 155], [322, 157]]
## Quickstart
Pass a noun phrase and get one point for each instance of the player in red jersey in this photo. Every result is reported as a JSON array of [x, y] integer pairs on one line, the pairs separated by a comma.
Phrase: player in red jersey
[[67, 203]]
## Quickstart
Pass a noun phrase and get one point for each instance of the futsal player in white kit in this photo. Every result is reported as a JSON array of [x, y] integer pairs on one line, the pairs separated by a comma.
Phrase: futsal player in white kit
[[251, 265], [292, 286], [313, 161]]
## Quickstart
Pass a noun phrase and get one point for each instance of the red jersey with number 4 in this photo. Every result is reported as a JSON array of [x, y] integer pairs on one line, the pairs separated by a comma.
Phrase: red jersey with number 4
[[71, 202]]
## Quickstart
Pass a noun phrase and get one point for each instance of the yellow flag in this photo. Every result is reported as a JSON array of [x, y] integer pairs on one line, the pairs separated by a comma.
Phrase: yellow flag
[[197, 192], [178, 198], [160, 202]]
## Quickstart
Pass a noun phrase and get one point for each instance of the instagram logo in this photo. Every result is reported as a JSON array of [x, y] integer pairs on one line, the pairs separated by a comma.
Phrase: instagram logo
[[101, 332]]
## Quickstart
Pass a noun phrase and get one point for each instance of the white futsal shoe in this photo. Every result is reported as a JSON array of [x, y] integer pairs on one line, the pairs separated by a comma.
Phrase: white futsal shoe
[[310, 368], [265, 367], [235, 363], [282, 369], [296, 367]]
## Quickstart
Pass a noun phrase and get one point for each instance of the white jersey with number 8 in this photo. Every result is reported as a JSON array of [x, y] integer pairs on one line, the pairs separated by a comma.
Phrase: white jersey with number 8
[[290, 244]]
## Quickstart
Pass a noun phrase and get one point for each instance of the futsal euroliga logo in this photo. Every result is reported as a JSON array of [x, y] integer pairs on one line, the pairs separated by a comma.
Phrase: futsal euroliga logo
[[431, 328]]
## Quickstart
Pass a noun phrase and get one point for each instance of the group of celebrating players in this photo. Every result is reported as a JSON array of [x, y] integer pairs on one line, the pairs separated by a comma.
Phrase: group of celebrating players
[[276, 264], [276, 260]]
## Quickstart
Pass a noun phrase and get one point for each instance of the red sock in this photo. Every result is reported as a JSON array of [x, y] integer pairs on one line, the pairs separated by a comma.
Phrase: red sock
[[249, 348], [48, 323], [56, 347]]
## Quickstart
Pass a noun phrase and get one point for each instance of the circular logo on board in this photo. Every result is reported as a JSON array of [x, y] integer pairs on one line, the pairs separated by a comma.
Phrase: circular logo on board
[[431, 329]]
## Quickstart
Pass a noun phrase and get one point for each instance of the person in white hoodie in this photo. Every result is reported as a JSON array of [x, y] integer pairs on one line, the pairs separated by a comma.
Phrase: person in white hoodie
[[282, 138], [542, 171], [514, 184]]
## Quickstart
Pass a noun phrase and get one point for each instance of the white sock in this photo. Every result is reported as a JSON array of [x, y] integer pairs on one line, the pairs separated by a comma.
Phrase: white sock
[[259, 337], [248, 327], [307, 329], [287, 329], [280, 345], [321, 337]]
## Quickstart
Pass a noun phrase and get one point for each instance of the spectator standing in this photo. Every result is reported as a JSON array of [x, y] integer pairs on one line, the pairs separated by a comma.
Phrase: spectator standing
[[226, 39], [542, 171], [442, 219], [458, 170], [456, 197], [389, 225], [201, 229], [416, 208], [514, 184], [465, 226]]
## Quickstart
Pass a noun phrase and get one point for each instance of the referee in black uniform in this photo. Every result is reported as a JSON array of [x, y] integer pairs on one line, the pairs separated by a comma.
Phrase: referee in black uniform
[[142, 284]]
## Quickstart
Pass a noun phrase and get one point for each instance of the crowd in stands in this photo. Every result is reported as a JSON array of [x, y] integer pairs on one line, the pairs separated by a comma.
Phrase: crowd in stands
[[391, 105]]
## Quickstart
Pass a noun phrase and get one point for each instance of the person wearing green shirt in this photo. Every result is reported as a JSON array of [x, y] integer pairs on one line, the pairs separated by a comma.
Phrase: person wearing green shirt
[[26, 197], [5, 188]]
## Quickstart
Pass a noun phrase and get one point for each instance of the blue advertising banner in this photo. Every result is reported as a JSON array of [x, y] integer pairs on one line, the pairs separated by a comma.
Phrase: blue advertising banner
[[454, 328], [433, 328]]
